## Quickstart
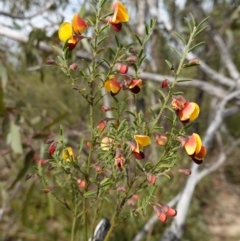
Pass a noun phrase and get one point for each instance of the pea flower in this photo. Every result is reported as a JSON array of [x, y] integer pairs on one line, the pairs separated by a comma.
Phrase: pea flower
[[112, 85], [194, 148], [141, 141], [185, 110], [106, 143], [120, 16], [119, 160], [67, 154], [135, 86], [163, 211], [71, 32], [161, 140]]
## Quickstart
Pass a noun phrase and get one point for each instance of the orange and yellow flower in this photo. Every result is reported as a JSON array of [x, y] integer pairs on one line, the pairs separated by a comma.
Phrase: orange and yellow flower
[[135, 86], [141, 141], [71, 32], [185, 110], [120, 16], [194, 148], [112, 85]]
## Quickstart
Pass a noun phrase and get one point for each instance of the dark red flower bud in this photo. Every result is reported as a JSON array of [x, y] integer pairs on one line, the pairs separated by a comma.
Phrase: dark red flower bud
[[165, 83], [52, 148]]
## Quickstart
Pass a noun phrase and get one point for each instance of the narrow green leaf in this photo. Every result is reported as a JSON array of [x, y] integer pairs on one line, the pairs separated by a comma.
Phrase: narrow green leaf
[[4, 75], [169, 64], [140, 54], [176, 51], [60, 52], [103, 39], [138, 39], [193, 20], [162, 94], [102, 3], [200, 31], [142, 59], [112, 51], [189, 25], [89, 194], [196, 46], [178, 93], [180, 37], [146, 30], [183, 80], [106, 62], [117, 41], [203, 21]]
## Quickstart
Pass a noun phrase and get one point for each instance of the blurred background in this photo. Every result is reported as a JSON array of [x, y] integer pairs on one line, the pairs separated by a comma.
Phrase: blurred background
[[36, 99]]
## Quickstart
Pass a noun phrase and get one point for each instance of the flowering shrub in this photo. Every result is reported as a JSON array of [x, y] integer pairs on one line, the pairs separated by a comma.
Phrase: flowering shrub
[[117, 166]]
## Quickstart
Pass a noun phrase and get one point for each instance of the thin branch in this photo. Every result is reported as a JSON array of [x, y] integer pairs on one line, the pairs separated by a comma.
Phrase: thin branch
[[39, 12]]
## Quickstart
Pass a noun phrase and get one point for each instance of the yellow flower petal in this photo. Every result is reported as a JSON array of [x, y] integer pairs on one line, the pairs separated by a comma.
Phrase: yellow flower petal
[[65, 31], [120, 13], [195, 113], [142, 140], [199, 143]]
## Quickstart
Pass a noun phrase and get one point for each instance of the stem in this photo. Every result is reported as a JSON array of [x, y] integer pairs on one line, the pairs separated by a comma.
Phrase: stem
[[175, 77], [73, 223]]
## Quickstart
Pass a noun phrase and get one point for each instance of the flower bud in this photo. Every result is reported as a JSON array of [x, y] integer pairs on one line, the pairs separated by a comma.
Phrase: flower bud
[[81, 183], [41, 162], [186, 172], [132, 59], [121, 189], [52, 148], [102, 125], [88, 144], [49, 61], [151, 178], [135, 197], [164, 83], [28, 176], [105, 108], [122, 68], [73, 66]]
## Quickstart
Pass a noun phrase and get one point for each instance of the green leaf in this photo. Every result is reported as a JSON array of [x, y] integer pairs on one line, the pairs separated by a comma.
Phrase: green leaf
[[106, 62], [162, 94], [178, 93], [183, 80], [180, 37], [138, 39], [196, 46], [189, 25], [14, 138], [200, 31], [203, 21], [142, 59], [4, 75], [112, 51], [117, 41], [2, 104], [90, 194], [169, 64], [60, 52], [176, 51], [193, 20], [146, 30], [103, 39]]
